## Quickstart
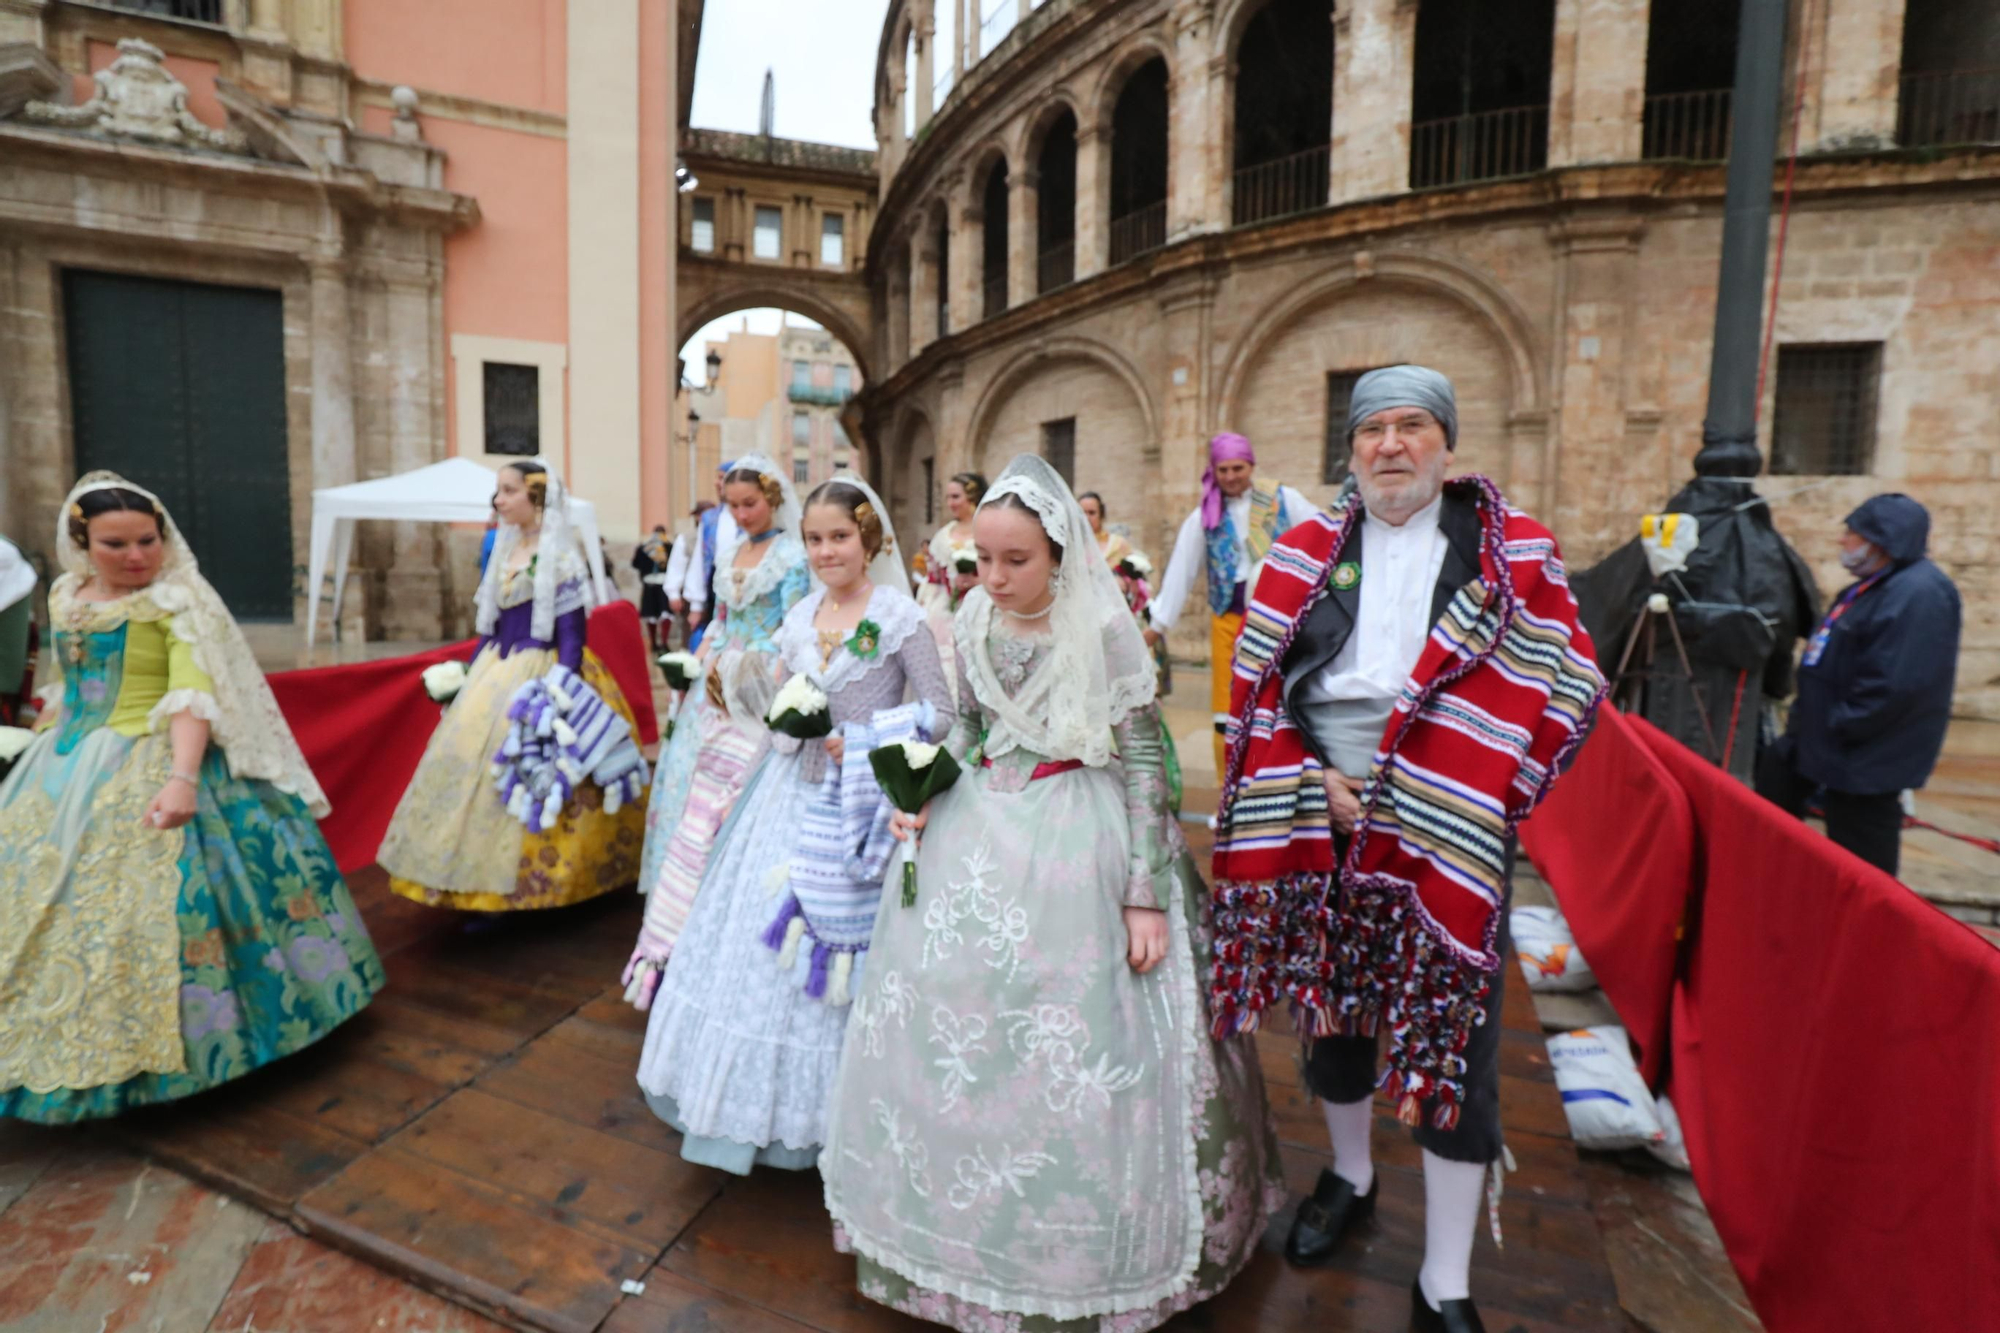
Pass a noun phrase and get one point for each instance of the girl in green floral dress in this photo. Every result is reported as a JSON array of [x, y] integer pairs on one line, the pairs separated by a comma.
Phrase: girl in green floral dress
[[170, 915]]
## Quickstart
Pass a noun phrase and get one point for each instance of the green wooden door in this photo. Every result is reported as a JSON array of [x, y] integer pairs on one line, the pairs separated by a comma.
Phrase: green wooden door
[[180, 386]]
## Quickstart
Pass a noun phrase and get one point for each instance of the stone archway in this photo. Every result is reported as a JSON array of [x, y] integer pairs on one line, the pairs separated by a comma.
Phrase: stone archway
[[826, 302]]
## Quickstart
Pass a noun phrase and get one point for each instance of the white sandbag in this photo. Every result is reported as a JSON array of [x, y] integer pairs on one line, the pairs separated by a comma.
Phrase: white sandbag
[[1549, 957], [1672, 1147], [1606, 1101]]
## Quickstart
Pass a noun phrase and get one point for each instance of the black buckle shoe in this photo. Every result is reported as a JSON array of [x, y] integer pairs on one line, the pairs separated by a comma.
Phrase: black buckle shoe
[[1331, 1211], [1449, 1317]]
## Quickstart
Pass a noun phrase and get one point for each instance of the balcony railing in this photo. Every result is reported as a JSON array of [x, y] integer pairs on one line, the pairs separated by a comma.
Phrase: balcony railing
[[1139, 231], [1955, 106], [996, 295], [198, 11], [1486, 145], [1280, 188], [1692, 127], [819, 395], [1055, 266]]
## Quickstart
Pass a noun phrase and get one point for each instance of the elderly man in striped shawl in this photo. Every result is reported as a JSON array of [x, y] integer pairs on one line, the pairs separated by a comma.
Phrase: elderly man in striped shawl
[[1410, 679]]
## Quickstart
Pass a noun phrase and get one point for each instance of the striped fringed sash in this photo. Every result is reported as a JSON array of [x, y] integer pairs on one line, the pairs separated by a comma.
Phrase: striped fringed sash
[[834, 877], [1502, 694]]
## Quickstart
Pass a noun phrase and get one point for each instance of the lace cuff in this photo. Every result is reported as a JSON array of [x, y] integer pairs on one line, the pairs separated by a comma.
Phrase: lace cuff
[[1156, 838], [175, 702]]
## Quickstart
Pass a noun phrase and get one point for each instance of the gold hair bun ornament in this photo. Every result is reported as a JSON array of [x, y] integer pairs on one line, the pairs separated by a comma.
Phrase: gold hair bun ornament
[[76, 511]]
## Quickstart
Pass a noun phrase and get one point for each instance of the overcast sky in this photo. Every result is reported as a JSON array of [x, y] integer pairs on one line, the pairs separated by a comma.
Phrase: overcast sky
[[822, 53]]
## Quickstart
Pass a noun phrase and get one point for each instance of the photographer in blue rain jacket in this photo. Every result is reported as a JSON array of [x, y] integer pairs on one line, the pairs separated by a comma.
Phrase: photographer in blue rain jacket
[[1874, 694]]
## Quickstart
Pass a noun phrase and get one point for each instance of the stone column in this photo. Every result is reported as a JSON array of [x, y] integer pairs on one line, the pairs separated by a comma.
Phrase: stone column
[[21, 21], [1374, 62], [1597, 87], [958, 8], [923, 288], [1024, 235], [966, 220], [1198, 159], [1093, 198], [1860, 78], [1187, 311], [968, 33], [926, 31], [1598, 261], [900, 300], [332, 374], [1022, 9]]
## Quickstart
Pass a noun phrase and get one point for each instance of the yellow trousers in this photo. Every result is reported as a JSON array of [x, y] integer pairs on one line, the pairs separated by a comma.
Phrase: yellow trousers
[[1222, 632]]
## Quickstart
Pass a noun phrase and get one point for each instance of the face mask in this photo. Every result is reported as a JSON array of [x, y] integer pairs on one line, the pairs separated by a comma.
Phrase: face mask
[[1858, 561]]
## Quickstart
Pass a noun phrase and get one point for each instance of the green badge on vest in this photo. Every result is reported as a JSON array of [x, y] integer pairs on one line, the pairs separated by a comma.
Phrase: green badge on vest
[[1346, 574]]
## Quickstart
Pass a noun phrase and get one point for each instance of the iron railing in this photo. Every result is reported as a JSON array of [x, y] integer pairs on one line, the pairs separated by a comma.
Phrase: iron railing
[[819, 395], [198, 11], [1055, 266], [996, 295], [1485, 145], [1692, 127], [1143, 229], [1952, 106], [1282, 187]]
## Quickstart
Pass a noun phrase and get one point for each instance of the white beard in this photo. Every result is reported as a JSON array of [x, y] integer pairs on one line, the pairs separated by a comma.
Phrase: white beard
[[1425, 487]]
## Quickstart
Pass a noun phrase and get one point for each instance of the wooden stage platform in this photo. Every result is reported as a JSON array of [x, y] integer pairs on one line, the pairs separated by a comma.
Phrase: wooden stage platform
[[478, 1131]]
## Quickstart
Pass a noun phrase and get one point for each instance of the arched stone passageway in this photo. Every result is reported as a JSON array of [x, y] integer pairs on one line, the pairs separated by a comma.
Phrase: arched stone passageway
[[845, 315]]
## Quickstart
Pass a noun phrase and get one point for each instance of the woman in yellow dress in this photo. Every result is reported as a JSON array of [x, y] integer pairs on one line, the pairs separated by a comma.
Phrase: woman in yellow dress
[[170, 916], [502, 814]]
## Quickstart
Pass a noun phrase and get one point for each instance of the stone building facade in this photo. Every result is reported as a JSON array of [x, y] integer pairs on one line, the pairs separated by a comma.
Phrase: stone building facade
[[439, 216], [1131, 225]]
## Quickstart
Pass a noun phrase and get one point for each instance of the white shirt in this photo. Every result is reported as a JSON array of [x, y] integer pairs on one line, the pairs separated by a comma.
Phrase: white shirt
[[1190, 557], [701, 563], [1399, 574], [677, 563]]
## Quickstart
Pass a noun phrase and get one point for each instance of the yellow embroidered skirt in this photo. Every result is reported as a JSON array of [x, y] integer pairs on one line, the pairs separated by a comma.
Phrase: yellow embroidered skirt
[[453, 844]]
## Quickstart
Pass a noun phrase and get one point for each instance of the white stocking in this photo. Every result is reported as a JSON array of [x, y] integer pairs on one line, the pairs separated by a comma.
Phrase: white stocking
[[1452, 1191], [1348, 1125]]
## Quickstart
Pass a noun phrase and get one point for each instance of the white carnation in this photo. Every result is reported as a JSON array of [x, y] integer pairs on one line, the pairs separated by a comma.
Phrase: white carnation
[[687, 662], [800, 696], [1139, 562], [918, 755], [13, 740], [444, 679]]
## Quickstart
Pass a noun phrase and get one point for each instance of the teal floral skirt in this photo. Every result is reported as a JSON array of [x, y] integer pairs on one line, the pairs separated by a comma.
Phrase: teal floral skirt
[[271, 953]]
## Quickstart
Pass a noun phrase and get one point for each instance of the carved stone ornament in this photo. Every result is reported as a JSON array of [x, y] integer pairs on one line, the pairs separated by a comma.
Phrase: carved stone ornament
[[137, 97]]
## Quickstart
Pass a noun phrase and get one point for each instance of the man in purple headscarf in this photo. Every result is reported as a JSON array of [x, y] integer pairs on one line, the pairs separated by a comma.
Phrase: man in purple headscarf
[[1226, 536]]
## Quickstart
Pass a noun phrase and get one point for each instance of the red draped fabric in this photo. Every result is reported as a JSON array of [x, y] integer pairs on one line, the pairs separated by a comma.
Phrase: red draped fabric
[[1617, 840], [364, 727], [1835, 1040]]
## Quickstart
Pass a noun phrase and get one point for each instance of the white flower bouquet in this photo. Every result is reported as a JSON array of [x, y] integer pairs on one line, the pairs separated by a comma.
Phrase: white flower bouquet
[[1136, 566], [965, 559], [443, 680], [910, 773], [680, 669], [799, 710]]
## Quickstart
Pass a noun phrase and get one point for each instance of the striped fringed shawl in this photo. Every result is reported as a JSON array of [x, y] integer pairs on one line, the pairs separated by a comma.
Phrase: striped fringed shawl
[[1502, 694]]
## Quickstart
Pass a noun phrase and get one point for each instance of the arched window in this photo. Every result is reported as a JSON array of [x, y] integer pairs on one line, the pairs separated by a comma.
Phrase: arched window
[[1055, 205], [1139, 163], [993, 251], [1284, 110], [1480, 97]]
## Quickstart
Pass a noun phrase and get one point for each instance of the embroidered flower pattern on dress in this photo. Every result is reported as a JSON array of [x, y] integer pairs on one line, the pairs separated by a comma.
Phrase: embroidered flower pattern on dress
[[1052, 1030], [960, 1037], [910, 1151], [1011, 659], [1005, 924], [978, 1177], [894, 999]]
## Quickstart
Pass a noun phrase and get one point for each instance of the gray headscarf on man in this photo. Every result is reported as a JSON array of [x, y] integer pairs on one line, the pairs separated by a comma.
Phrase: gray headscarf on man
[[1405, 386]]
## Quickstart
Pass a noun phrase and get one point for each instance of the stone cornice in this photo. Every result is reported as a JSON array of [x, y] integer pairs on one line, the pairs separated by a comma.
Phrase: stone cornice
[[353, 192]]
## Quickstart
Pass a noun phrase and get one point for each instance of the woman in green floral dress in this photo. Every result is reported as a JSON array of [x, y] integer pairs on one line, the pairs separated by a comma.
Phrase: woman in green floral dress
[[170, 915]]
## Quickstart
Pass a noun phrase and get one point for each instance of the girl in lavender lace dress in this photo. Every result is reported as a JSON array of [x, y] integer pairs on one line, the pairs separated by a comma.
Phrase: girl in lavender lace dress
[[1032, 1129], [747, 1026]]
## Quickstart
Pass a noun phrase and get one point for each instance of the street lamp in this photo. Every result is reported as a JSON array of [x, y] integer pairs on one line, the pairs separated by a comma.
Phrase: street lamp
[[684, 179], [714, 366], [694, 431]]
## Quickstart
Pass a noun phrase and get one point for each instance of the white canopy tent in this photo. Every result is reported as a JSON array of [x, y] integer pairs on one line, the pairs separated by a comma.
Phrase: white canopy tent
[[457, 490]]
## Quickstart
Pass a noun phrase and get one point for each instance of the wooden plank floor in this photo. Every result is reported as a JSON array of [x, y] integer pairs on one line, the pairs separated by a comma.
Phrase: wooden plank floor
[[478, 1131]]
